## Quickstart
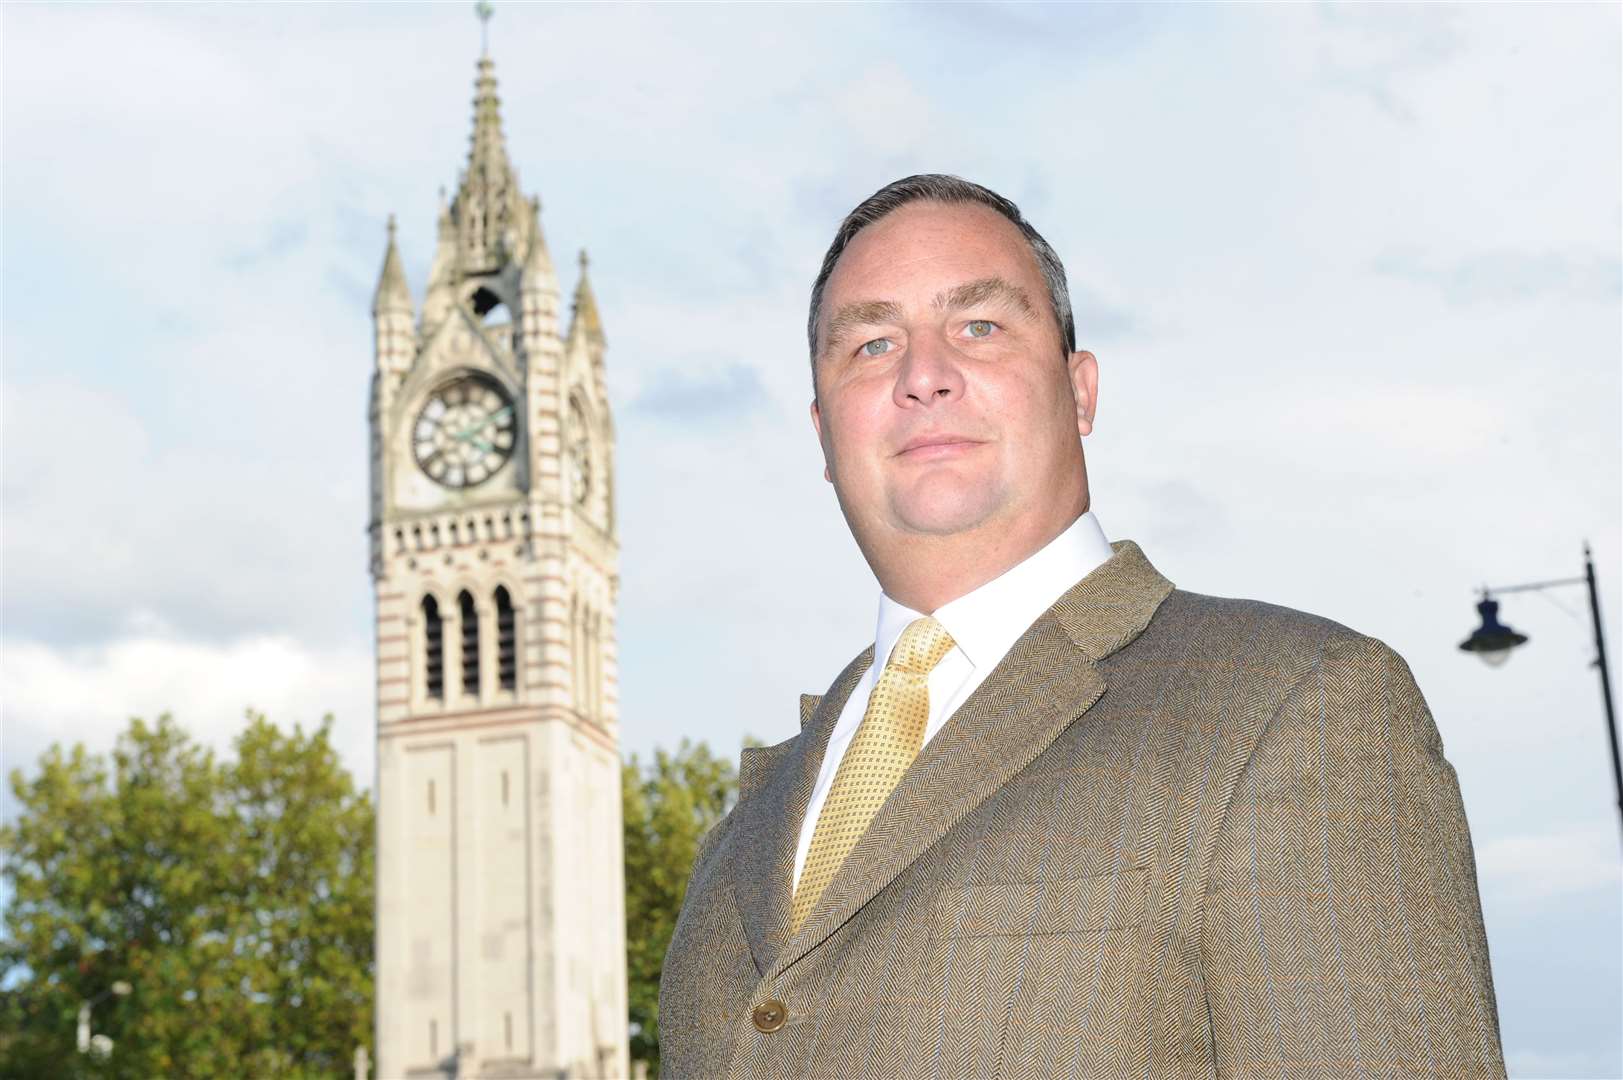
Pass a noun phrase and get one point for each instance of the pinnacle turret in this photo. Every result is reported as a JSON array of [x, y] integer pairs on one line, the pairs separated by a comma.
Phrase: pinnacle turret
[[393, 294], [585, 319], [538, 263]]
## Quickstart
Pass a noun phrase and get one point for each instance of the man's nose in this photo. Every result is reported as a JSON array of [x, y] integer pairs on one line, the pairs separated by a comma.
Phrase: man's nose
[[929, 374]]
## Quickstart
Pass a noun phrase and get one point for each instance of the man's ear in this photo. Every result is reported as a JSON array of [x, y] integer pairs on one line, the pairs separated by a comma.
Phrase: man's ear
[[1083, 369], [817, 426]]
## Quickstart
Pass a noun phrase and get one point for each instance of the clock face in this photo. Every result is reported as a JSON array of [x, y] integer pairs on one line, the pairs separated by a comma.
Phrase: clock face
[[465, 432]]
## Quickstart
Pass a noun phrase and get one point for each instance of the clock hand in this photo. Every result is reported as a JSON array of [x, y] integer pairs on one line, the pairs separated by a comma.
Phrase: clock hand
[[467, 433], [493, 417]]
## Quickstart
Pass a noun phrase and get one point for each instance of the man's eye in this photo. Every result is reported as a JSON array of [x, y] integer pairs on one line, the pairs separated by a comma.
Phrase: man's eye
[[980, 327], [876, 347]]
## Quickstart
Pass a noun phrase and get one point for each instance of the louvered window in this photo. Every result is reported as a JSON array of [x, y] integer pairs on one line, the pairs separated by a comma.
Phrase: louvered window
[[506, 641], [433, 649], [470, 644]]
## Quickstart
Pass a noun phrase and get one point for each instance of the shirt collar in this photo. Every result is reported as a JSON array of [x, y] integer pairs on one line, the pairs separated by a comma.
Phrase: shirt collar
[[987, 621]]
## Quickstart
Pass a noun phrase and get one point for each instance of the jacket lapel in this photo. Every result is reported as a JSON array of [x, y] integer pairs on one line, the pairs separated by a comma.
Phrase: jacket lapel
[[779, 789], [1045, 682], [756, 765]]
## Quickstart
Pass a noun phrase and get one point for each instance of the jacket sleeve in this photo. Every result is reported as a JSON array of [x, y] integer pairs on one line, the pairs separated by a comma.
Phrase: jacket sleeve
[[1343, 933]]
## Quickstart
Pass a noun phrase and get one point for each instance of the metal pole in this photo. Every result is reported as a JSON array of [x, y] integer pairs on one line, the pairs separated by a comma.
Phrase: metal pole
[[1533, 585], [1605, 677]]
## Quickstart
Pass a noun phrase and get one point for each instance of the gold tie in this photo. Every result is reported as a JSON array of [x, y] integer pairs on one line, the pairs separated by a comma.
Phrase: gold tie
[[885, 744]]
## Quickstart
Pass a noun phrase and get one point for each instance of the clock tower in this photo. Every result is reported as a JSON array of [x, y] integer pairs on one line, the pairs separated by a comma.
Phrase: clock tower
[[500, 880]]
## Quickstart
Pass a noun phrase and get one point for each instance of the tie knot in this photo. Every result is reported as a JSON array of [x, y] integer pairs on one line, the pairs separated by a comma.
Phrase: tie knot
[[921, 647]]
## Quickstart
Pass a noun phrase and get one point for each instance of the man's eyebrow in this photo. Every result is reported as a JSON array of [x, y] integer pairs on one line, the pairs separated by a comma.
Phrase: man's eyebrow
[[979, 292], [869, 312], [862, 313]]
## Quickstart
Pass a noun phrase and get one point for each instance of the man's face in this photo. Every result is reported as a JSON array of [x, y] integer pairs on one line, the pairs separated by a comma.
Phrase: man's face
[[945, 403]]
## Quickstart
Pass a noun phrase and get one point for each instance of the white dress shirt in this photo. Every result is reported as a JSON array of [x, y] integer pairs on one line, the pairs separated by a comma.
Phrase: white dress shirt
[[984, 625]]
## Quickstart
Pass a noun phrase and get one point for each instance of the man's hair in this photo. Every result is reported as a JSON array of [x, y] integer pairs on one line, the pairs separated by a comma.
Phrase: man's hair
[[940, 188]]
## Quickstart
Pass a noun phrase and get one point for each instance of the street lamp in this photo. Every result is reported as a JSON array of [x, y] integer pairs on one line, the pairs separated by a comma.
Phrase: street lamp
[[101, 1044], [1493, 640]]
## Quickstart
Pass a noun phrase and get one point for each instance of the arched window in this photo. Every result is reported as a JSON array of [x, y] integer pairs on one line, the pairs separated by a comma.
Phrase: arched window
[[594, 667], [576, 653], [433, 649], [584, 662], [597, 665], [588, 663], [470, 644], [506, 643]]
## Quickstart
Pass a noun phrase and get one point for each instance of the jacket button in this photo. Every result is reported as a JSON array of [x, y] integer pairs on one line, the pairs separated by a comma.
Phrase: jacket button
[[770, 1015]]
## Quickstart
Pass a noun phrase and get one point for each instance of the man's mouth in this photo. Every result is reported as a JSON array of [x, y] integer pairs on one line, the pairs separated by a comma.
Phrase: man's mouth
[[923, 447]]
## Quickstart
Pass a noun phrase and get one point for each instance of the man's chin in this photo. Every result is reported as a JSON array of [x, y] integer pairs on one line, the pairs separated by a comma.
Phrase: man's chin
[[942, 517]]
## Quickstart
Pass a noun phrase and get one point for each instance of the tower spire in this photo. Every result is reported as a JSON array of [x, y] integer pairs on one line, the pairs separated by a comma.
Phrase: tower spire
[[489, 210]]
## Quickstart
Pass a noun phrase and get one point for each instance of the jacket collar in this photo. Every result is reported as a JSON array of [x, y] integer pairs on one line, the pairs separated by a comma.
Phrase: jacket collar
[[1046, 681]]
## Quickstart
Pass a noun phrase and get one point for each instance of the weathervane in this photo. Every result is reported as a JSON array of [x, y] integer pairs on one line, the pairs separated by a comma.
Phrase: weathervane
[[484, 11]]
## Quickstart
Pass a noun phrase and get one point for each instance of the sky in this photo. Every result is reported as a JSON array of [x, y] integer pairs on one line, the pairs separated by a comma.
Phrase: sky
[[1353, 274]]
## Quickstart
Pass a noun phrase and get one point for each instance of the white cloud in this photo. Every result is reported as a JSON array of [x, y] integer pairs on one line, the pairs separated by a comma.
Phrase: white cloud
[[89, 694], [221, 539]]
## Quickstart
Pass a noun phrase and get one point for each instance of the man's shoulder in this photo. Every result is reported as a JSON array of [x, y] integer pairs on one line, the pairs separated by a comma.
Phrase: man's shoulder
[[1239, 615], [1253, 631], [1276, 654]]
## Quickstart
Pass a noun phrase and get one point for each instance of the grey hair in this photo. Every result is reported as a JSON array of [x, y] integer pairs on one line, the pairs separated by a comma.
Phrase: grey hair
[[938, 187]]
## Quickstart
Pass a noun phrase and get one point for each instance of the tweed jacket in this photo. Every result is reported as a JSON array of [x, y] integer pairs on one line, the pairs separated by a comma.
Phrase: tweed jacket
[[1171, 835]]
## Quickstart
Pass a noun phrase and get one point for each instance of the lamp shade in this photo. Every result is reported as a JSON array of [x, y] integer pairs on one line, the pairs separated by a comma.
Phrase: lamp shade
[[1493, 640]]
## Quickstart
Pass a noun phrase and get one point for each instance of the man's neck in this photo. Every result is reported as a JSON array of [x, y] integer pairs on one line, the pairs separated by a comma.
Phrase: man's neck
[[938, 570]]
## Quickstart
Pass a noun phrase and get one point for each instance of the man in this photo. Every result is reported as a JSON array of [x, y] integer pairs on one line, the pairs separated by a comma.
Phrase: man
[[1061, 819]]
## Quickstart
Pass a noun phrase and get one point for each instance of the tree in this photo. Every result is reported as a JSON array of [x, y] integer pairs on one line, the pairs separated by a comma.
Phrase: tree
[[234, 896], [668, 807]]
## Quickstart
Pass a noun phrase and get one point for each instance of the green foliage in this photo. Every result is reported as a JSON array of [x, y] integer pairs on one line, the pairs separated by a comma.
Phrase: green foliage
[[234, 896], [669, 804]]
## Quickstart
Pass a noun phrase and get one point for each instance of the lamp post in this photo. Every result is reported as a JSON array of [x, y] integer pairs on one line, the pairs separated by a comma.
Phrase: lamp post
[[1493, 640], [99, 1043]]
